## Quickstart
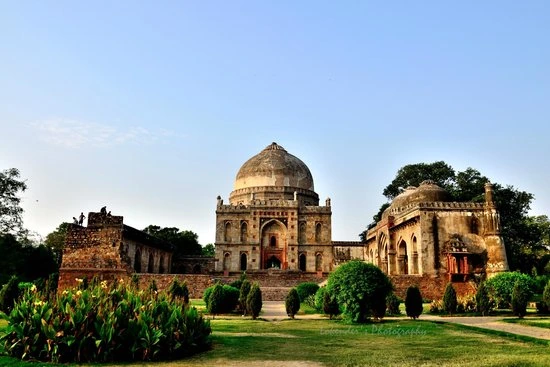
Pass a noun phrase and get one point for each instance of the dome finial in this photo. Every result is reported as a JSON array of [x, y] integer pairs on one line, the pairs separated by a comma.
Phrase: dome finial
[[274, 146]]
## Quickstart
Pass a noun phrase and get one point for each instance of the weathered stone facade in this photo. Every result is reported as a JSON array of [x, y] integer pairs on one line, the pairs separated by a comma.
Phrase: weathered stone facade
[[423, 234], [273, 219], [109, 249]]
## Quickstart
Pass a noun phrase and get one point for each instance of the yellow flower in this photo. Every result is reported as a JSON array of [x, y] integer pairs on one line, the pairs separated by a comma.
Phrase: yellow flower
[[33, 288], [78, 280], [78, 292]]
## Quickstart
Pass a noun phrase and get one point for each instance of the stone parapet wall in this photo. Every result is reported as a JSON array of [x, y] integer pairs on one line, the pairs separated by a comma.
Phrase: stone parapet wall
[[431, 288]]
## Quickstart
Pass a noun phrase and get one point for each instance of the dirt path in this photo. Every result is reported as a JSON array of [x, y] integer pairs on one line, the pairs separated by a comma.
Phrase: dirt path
[[275, 310]]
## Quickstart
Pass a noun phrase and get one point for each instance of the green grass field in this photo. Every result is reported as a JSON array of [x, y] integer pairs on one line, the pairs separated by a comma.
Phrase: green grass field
[[243, 342]]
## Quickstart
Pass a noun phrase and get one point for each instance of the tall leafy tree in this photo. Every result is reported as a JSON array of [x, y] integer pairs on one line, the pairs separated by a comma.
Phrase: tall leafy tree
[[56, 241], [209, 250], [186, 243], [11, 186]]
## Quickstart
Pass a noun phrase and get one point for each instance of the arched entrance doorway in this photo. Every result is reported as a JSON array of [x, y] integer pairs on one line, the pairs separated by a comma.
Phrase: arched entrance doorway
[[137, 261], [243, 261], [302, 262], [274, 245], [273, 263]]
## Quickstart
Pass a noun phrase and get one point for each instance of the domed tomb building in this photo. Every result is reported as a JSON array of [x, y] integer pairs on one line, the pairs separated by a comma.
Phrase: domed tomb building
[[273, 219], [423, 233]]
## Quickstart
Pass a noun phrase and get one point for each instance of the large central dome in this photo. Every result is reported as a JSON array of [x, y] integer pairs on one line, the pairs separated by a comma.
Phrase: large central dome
[[274, 166]]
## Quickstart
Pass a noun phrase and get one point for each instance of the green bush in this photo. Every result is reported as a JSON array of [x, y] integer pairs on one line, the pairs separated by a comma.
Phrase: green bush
[[254, 301], [392, 304], [206, 295], [546, 296], [436, 306], [449, 299], [292, 303], [330, 305], [319, 298], [306, 289], [483, 302], [243, 293], [179, 291], [230, 298], [239, 282], [360, 289], [9, 294], [103, 324], [413, 302], [539, 283], [520, 298], [501, 286], [215, 300]]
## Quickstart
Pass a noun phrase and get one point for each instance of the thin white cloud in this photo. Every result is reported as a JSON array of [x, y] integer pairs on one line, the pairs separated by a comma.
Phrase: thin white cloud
[[77, 134]]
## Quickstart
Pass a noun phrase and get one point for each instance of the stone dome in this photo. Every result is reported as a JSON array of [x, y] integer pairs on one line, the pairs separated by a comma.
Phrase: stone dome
[[274, 166], [427, 192]]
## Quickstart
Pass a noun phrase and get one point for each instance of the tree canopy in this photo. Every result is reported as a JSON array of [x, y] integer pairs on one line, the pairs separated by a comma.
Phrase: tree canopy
[[10, 210], [526, 238]]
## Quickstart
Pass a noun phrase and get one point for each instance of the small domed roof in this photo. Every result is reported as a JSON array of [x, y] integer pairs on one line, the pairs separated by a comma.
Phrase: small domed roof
[[427, 192], [274, 166]]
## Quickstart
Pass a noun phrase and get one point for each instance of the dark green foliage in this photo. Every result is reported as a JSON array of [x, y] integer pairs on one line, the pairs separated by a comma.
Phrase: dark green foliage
[[319, 298], [360, 289], [227, 299], [206, 295], [24, 259], [208, 250], [520, 298], [254, 301], [449, 299], [330, 305], [413, 302], [230, 298], [215, 300], [10, 210], [292, 303], [134, 281], [483, 302], [179, 291], [238, 283], [379, 306], [153, 289], [245, 289], [546, 296], [306, 289], [9, 293], [392, 304], [102, 324], [500, 287], [186, 243]]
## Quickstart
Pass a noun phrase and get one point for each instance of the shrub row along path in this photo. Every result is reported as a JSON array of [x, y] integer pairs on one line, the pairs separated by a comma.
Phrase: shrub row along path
[[275, 310]]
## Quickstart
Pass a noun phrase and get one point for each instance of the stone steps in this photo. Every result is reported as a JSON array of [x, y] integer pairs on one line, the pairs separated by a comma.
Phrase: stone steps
[[274, 293]]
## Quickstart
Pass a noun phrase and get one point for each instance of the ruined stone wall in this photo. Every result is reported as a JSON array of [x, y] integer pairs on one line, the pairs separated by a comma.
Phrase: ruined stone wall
[[431, 288]]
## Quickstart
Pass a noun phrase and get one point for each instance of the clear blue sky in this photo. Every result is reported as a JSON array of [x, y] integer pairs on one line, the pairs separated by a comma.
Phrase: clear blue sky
[[151, 107]]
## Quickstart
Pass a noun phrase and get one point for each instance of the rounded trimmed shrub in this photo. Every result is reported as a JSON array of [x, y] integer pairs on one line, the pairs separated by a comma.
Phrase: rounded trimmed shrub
[[392, 304], [449, 299], [243, 293], [501, 286], [292, 303], [9, 294], [360, 289], [330, 305], [520, 298], [306, 289], [215, 300], [319, 298], [413, 302], [254, 301], [483, 302]]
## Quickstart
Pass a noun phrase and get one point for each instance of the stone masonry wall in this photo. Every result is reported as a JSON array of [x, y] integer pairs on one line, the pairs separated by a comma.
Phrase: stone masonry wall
[[431, 288]]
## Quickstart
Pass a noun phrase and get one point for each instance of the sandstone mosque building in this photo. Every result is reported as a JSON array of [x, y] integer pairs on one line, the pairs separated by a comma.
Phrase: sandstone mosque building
[[274, 221]]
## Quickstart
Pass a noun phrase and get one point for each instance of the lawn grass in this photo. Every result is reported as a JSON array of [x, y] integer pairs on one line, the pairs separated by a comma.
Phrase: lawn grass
[[542, 322], [243, 342]]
